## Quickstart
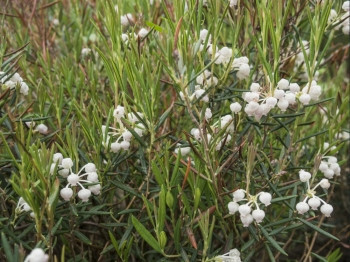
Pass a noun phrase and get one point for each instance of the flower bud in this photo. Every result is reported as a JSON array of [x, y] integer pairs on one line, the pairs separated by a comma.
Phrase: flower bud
[[271, 101], [233, 207], [323, 166], [42, 129], [127, 135], [283, 104], [125, 145], [302, 207], [258, 215], [265, 198], [314, 203], [254, 87], [143, 32], [92, 177], [304, 176], [37, 255], [84, 194], [115, 147], [90, 167], [247, 220], [208, 114], [184, 150], [325, 183], [67, 163], [238, 195], [95, 189], [244, 209], [235, 107], [66, 193], [305, 99], [73, 179], [279, 94], [57, 158], [326, 209], [63, 172], [294, 87], [329, 173], [283, 84]]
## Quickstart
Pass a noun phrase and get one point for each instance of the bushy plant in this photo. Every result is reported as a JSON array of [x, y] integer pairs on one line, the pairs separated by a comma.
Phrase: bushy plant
[[185, 130]]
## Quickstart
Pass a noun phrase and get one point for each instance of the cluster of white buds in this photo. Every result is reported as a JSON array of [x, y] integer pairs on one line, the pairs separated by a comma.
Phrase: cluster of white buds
[[248, 215], [22, 206], [284, 95], [232, 256], [224, 55], [224, 122], [330, 167], [253, 108], [311, 200], [241, 65], [15, 80], [87, 175], [37, 255], [123, 135], [204, 81], [343, 20]]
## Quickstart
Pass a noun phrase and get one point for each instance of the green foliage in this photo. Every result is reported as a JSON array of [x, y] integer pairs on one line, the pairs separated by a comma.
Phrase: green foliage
[[166, 197]]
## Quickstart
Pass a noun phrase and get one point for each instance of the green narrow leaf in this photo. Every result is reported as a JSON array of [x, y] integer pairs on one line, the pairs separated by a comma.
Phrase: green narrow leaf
[[272, 258], [319, 258], [316, 228], [114, 242], [315, 134], [82, 237], [146, 235], [125, 188], [272, 241], [54, 229], [6, 247], [154, 26], [163, 117], [248, 244]]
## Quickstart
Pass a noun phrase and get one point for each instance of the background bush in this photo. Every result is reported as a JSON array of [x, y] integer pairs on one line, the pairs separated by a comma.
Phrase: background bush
[[156, 204]]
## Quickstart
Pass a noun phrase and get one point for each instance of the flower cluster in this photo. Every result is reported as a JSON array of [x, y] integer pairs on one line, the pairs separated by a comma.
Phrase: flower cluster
[[246, 214], [343, 20], [283, 96], [224, 55], [15, 80], [123, 135], [37, 255], [88, 171], [311, 200], [125, 21], [330, 167], [232, 256]]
